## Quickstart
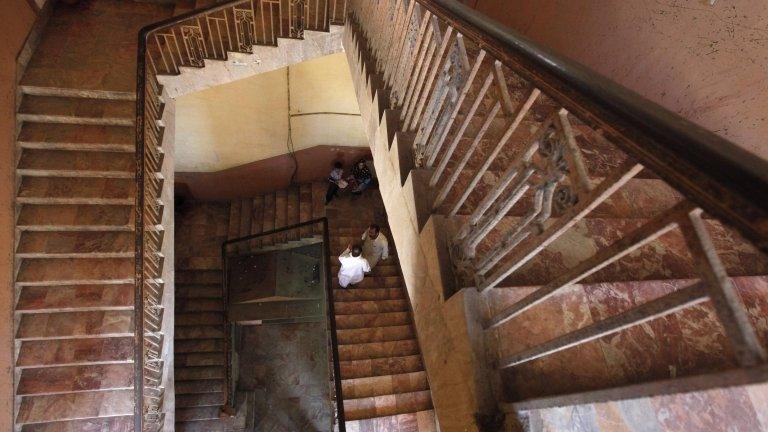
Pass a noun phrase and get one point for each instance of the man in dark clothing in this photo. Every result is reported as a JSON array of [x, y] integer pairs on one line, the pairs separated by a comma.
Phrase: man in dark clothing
[[362, 176]]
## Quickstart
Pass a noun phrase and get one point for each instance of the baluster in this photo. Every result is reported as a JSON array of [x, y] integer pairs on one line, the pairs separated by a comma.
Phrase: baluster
[[406, 74], [501, 82], [422, 65], [398, 47], [415, 112]]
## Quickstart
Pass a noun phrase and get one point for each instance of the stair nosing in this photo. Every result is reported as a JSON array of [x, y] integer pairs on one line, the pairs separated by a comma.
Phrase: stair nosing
[[31, 172], [85, 336], [84, 255], [42, 311], [83, 363], [37, 90], [71, 146], [76, 282], [72, 391], [75, 201], [75, 120]]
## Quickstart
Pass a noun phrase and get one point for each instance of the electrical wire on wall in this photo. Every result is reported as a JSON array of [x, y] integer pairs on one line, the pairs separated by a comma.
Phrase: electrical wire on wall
[[289, 143]]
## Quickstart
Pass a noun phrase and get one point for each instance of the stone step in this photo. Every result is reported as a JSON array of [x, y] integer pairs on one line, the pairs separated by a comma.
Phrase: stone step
[[86, 164], [75, 406], [372, 320], [53, 242], [388, 405], [199, 373], [202, 426], [422, 421], [199, 332], [62, 325], [377, 334], [118, 423], [200, 359], [375, 282], [374, 350], [197, 413], [186, 346], [365, 307], [70, 298], [76, 110], [36, 90], [199, 305], [198, 291], [62, 352], [208, 277], [384, 385], [54, 380], [75, 271], [122, 189], [380, 367], [76, 215], [200, 386], [200, 400], [199, 319], [367, 294], [78, 137]]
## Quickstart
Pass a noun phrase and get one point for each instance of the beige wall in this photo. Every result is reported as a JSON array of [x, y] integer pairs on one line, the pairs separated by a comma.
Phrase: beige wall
[[246, 121], [16, 19], [707, 63]]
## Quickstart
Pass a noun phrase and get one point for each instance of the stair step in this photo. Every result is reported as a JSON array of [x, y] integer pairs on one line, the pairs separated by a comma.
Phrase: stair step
[[422, 421], [104, 424], [208, 277], [199, 400], [67, 146], [72, 242], [199, 319], [76, 110], [378, 334], [374, 350], [198, 332], [68, 298], [200, 359], [379, 367], [372, 320], [200, 386], [198, 263], [76, 215], [384, 385], [376, 282], [198, 291], [388, 405], [186, 346], [29, 89], [367, 294], [75, 406], [200, 305], [197, 413], [75, 271], [75, 135], [76, 187], [84, 164], [75, 173], [366, 307], [199, 373], [202, 426], [53, 380], [75, 324], [75, 351], [382, 269]]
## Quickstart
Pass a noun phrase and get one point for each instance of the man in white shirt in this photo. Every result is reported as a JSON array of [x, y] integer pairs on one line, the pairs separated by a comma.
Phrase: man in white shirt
[[353, 266], [375, 245]]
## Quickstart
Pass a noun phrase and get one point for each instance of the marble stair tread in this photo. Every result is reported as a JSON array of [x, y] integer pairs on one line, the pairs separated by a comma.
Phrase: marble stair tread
[[87, 242], [76, 215], [66, 379], [77, 161], [197, 413], [62, 92], [67, 298], [199, 373], [372, 320], [200, 386], [199, 305], [387, 405], [422, 421], [371, 306], [198, 291], [199, 332], [77, 110], [108, 323], [199, 345], [62, 352], [101, 137], [375, 350], [113, 424], [357, 388], [199, 400], [77, 187], [376, 334], [200, 359], [199, 319], [367, 294], [75, 406], [36, 271]]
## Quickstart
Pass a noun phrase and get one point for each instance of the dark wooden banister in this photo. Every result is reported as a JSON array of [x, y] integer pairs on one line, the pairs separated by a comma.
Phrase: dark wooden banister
[[330, 311], [721, 177]]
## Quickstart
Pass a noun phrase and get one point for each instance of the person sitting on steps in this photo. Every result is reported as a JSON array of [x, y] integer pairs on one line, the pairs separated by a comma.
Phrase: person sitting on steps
[[335, 182], [362, 177], [375, 245], [353, 266]]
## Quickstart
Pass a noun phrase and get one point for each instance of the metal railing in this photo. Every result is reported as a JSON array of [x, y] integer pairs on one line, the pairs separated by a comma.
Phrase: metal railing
[[164, 49], [557, 140], [274, 237]]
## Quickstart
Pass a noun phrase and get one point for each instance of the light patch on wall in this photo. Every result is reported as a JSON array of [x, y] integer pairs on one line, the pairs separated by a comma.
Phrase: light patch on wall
[[246, 121]]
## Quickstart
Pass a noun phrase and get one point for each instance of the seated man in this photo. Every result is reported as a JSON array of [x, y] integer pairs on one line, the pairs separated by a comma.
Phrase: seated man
[[375, 245], [353, 266]]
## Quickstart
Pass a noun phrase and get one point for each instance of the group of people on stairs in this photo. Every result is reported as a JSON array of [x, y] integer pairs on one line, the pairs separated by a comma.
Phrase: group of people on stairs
[[359, 259], [359, 180]]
